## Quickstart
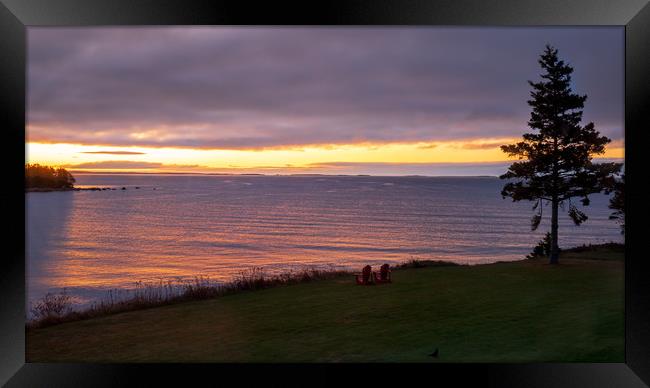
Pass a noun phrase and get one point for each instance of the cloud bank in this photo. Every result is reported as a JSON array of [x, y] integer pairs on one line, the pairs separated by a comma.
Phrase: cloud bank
[[256, 88]]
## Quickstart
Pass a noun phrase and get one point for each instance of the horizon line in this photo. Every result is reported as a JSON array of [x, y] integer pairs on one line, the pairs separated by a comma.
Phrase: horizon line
[[81, 172]]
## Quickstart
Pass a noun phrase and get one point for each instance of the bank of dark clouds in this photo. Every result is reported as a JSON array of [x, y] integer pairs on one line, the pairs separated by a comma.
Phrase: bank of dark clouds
[[243, 88]]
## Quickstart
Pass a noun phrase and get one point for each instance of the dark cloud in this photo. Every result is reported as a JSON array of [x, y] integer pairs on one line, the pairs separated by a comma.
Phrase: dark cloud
[[427, 146], [482, 146], [249, 88], [132, 164], [116, 164]]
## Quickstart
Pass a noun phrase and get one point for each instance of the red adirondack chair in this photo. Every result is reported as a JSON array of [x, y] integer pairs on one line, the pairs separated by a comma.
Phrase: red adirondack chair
[[383, 276], [365, 276]]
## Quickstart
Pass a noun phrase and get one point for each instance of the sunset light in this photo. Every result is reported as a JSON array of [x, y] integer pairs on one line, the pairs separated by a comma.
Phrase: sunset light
[[312, 159], [364, 101], [211, 194]]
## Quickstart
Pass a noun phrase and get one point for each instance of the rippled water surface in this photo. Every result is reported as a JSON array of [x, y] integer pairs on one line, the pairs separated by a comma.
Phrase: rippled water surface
[[180, 226]]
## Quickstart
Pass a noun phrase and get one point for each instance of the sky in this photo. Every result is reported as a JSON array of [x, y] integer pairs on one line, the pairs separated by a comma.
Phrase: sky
[[329, 100]]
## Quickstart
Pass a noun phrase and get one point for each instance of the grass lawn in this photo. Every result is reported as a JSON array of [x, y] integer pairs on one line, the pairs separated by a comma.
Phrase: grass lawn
[[505, 312]]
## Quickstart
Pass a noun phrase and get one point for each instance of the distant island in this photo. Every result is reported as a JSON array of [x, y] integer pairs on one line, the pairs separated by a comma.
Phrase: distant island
[[46, 178]]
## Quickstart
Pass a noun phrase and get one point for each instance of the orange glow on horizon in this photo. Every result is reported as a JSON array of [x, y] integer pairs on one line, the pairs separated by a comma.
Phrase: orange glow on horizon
[[294, 159]]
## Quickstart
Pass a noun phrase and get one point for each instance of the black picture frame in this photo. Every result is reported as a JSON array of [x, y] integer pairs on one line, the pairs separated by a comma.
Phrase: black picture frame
[[16, 15]]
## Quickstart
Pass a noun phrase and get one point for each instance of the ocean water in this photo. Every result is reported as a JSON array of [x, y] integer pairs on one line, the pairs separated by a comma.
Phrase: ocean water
[[180, 226]]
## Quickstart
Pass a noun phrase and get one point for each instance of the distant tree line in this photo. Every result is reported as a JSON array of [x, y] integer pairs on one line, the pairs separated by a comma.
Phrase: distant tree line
[[37, 176]]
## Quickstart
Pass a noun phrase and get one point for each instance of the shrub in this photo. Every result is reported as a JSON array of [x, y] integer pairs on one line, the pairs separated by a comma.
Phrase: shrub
[[543, 248], [52, 306], [418, 263], [57, 308]]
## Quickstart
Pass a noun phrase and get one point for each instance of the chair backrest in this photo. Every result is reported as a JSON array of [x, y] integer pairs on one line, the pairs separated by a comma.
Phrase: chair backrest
[[383, 271], [365, 273]]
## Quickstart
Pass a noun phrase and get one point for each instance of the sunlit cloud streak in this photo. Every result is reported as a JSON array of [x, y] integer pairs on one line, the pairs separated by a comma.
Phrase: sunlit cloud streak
[[126, 165], [113, 152]]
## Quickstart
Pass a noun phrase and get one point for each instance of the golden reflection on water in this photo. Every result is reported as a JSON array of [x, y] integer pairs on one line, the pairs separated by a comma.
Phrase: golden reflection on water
[[220, 226]]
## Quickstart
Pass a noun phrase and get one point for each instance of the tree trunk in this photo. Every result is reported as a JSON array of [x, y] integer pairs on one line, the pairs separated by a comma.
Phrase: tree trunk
[[554, 246]]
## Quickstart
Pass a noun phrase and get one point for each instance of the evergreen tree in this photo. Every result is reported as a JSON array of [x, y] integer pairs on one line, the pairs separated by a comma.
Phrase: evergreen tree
[[617, 203], [556, 159]]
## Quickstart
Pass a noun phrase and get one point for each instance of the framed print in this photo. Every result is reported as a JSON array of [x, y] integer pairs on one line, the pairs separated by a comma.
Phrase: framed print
[[379, 190]]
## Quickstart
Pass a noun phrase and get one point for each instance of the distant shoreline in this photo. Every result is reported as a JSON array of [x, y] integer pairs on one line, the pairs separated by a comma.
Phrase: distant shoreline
[[276, 175], [50, 189]]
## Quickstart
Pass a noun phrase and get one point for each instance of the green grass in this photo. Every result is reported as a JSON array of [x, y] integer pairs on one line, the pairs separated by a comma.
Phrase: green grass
[[506, 312]]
